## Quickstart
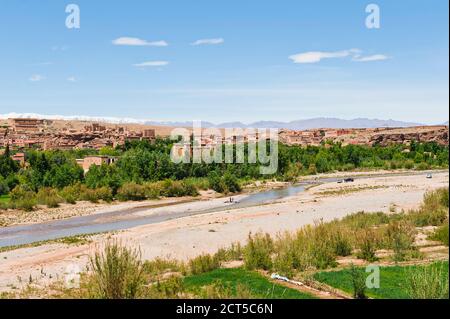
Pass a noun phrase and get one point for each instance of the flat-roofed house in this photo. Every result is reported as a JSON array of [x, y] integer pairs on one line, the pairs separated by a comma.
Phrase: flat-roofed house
[[19, 158], [97, 160]]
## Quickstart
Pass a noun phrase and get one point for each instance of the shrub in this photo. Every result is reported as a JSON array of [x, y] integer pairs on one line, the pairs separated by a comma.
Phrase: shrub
[[94, 195], [286, 255], [104, 194], [152, 190], [234, 252], [367, 243], [170, 188], [216, 182], [189, 188], [358, 282], [48, 196], [202, 264], [401, 235], [23, 198], [26, 204], [409, 164], [257, 253], [321, 247], [441, 234], [159, 265], [231, 183], [117, 273], [423, 166], [131, 191], [428, 282], [363, 220], [341, 242], [4, 188], [171, 288], [71, 193], [433, 211], [422, 218]]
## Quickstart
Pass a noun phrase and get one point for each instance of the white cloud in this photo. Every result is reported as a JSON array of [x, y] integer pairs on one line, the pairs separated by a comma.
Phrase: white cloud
[[370, 58], [317, 56], [36, 78], [138, 42], [151, 64], [209, 41], [72, 79]]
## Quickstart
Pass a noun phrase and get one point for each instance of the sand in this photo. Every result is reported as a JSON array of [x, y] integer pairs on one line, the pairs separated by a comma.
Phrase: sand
[[190, 236]]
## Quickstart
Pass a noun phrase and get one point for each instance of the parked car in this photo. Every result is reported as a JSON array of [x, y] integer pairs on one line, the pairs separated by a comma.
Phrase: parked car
[[349, 180], [429, 176]]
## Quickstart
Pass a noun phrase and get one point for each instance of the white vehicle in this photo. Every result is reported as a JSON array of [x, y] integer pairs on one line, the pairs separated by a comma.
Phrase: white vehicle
[[429, 176]]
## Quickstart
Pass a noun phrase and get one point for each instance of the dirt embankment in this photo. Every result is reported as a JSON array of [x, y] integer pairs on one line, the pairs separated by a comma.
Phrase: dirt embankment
[[191, 236]]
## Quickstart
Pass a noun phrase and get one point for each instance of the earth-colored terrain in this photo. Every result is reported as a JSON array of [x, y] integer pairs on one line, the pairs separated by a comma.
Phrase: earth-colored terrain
[[187, 237]]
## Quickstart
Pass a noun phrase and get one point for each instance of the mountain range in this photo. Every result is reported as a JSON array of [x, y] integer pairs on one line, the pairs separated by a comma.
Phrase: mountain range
[[313, 123], [306, 124]]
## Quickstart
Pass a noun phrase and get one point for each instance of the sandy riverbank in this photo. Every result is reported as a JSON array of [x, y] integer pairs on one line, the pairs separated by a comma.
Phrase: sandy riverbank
[[43, 214], [190, 236]]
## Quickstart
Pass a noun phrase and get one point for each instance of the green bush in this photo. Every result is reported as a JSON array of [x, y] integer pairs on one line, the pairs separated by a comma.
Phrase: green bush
[[441, 234], [363, 220], [231, 183], [423, 166], [433, 211], [341, 242], [202, 264], [48, 196], [131, 191], [23, 198], [152, 190], [170, 188], [117, 273], [367, 242], [358, 282], [401, 236], [159, 265], [71, 194], [428, 282], [171, 288], [104, 194], [258, 252], [4, 188], [217, 183]]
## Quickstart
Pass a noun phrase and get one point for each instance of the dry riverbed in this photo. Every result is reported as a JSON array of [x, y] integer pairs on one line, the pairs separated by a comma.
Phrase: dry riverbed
[[188, 237]]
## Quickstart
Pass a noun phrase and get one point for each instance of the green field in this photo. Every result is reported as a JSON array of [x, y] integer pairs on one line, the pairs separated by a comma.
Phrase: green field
[[4, 199], [393, 281], [259, 286]]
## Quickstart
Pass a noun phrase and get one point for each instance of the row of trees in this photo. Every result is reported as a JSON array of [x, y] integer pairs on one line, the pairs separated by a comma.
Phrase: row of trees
[[145, 162]]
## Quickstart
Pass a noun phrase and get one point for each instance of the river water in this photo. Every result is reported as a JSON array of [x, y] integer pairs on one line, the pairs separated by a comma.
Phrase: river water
[[132, 217]]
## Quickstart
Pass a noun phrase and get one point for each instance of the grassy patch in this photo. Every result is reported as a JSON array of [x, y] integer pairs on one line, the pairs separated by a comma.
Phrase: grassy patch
[[4, 199], [441, 234], [350, 190], [394, 281], [71, 240], [256, 284]]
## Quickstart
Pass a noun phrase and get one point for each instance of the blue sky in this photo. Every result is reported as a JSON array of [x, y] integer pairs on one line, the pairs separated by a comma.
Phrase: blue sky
[[243, 67]]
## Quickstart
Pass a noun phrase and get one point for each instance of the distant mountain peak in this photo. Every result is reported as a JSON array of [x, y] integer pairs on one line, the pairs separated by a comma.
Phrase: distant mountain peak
[[305, 124]]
